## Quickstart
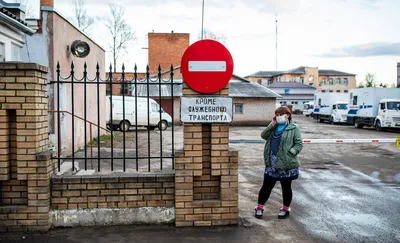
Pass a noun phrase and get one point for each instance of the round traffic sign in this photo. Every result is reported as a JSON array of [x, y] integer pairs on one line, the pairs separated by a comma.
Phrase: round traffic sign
[[207, 66]]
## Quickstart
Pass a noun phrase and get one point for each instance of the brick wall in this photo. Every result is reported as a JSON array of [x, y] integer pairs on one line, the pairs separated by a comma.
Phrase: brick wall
[[166, 49], [25, 162], [206, 174], [113, 191]]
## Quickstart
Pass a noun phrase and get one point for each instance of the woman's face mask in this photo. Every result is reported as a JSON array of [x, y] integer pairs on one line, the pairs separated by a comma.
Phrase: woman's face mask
[[281, 119]]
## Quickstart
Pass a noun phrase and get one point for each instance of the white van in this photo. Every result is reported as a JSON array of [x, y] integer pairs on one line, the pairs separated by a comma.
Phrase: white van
[[144, 115], [308, 109]]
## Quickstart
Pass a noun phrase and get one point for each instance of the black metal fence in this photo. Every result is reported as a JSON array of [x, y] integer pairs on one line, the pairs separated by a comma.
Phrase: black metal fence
[[125, 136]]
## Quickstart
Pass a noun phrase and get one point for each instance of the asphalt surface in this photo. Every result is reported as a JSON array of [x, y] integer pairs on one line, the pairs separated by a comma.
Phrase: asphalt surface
[[345, 193]]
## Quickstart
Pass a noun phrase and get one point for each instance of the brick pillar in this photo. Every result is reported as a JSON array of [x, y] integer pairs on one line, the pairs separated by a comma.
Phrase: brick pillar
[[206, 174], [25, 162]]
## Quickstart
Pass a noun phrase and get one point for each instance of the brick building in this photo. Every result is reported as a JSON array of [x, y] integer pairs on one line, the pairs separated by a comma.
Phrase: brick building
[[166, 49], [323, 80]]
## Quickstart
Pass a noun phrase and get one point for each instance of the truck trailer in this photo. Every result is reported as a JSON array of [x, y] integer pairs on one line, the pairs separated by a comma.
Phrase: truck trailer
[[376, 107], [331, 107]]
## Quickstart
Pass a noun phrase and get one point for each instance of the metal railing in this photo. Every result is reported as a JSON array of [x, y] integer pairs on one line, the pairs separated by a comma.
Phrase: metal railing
[[69, 88]]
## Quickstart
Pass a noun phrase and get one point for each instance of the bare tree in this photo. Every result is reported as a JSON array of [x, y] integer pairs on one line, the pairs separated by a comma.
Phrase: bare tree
[[29, 9], [208, 34], [370, 80], [81, 18], [121, 33]]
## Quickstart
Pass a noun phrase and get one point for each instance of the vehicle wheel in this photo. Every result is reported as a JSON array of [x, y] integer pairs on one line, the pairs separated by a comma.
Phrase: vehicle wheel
[[307, 115], [162, 125], [378, 126], [332, 121], [151, 128], [320, 120], [124, 126], [357, 124]]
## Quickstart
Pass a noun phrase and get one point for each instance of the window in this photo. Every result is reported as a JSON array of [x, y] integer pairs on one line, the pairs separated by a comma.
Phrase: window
[[346, 91], [338, 80], [382, 106], [393, 105], [337, 91], [125, 89], [330, 91], [154, 107], [346, 81], [331, 81], [295, 102], [355, 100], [334, 107], [238, 108], [15, 52], [319, 101], [323, 91], [287, 91], [2, 52], [302, 80], [324, 81], [259, 81]]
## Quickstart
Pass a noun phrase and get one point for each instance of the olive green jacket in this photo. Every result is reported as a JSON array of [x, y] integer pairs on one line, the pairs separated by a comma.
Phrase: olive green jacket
[[290, 146]]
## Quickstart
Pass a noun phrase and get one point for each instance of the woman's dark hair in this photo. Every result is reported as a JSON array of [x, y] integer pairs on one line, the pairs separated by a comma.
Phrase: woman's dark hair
[[284, 110]]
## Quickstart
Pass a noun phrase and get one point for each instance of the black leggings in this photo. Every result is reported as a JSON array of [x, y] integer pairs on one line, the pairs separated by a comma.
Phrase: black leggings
[[267, 187]]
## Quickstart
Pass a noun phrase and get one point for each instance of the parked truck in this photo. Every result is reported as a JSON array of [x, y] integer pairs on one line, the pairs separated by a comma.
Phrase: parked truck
[[376, 107], [147, 113], [308, 109], [331, 107]]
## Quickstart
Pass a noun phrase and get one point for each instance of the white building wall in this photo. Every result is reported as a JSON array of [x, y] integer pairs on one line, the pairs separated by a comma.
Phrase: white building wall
[[256, 111]]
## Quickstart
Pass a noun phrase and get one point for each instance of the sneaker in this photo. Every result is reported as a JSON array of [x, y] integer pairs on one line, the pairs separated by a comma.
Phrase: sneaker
[[284, 214], [259, 213]]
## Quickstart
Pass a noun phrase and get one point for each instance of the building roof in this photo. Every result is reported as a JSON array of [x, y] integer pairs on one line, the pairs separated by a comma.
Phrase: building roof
[[265, 74], [13, 20], [292, 85], [299, 70], [298, 97], [330, 72]]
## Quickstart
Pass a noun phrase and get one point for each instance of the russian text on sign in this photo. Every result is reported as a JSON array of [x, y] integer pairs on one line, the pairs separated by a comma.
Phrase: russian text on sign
[[206, 109]]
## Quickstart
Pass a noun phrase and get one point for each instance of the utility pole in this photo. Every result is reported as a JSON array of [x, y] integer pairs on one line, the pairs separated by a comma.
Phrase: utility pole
[[276, 38], [202, 21]]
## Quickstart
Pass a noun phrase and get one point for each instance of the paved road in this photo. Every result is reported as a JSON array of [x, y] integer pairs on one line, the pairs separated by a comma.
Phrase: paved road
[[345, 193]]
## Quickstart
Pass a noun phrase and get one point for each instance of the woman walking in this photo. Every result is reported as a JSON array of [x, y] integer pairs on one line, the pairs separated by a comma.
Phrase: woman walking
[[283, 144]]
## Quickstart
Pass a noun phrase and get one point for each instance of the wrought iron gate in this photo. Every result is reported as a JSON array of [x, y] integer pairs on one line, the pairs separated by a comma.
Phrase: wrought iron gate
[[88, 113]]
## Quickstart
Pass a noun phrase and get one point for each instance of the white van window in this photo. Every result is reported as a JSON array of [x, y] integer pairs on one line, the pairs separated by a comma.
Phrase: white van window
[[355, 100], [154, 107]]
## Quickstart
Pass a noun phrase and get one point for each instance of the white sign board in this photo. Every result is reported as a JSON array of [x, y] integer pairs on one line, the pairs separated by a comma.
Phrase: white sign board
[[206, 109]]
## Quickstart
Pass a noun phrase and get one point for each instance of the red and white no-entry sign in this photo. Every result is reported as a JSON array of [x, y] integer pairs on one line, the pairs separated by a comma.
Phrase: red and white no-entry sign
[[207, 66]]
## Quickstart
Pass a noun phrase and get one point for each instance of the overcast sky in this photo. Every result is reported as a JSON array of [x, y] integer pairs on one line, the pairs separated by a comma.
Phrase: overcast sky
[[356, 36]]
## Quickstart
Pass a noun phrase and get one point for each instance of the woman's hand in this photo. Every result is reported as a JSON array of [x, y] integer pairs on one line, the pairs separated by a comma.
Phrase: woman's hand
[[273, 122]]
